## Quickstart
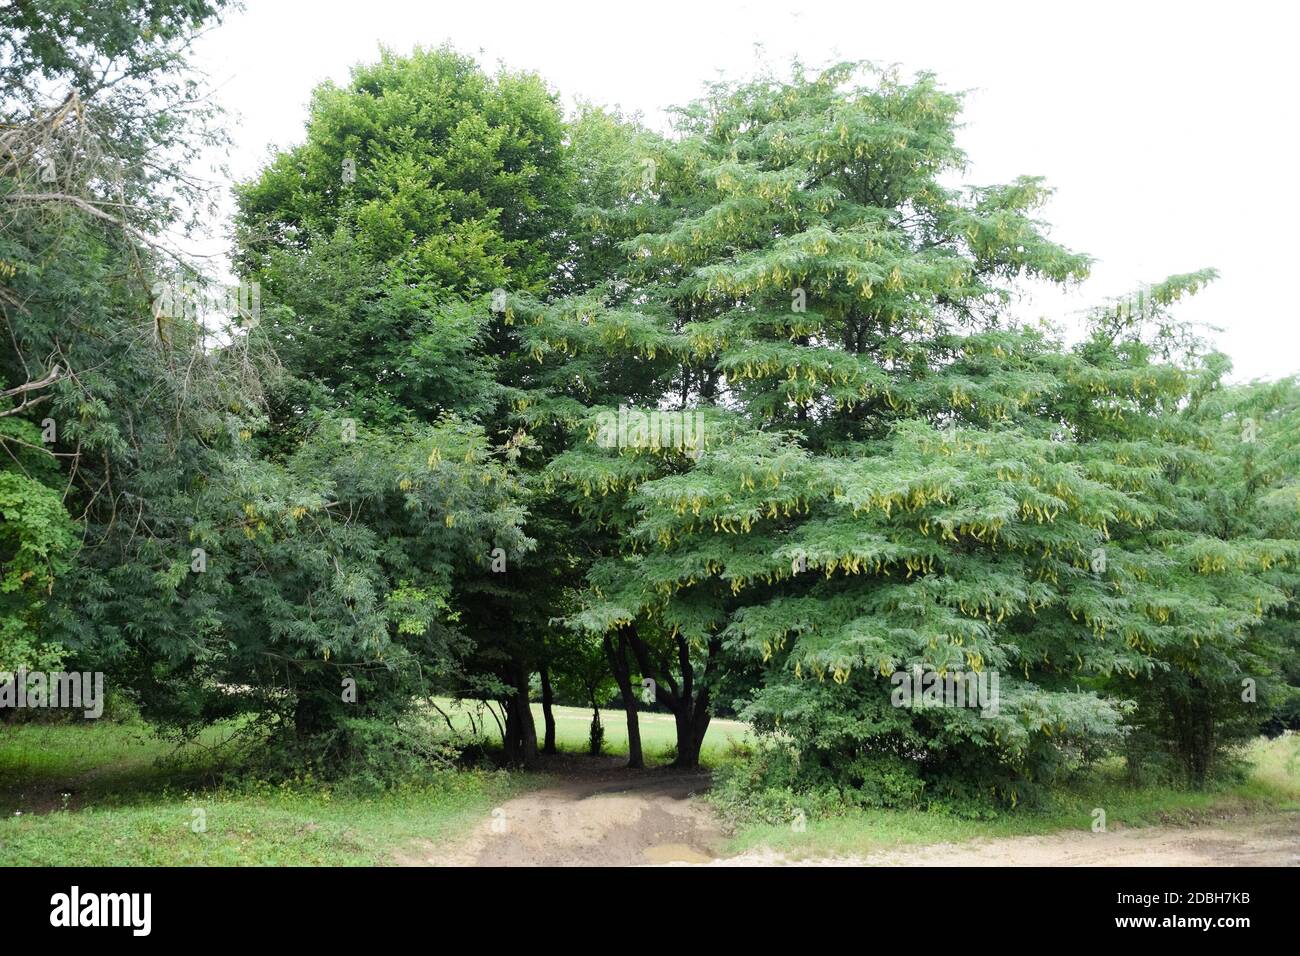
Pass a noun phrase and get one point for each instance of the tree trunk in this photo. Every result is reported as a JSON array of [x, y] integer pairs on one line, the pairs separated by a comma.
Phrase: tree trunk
[[519, 740], [596, 738], [691, 711], [527, 729], [699, 726], [510, 733], [623, 677], [688, 754], [548, 747], [692, 720]]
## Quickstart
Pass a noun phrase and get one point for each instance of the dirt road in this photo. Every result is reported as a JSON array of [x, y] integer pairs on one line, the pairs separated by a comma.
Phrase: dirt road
[[601, 816], [608, 816], [1260, 840]]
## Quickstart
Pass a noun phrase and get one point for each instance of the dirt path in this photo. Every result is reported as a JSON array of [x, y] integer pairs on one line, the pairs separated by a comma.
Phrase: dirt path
[[604, 815], [1271, 839], [600, 815]]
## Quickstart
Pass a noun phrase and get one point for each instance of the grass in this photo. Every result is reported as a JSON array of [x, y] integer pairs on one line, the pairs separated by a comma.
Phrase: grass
[[129, 804], [1272, 784], [132, 800], [572, 727], [104, 794]]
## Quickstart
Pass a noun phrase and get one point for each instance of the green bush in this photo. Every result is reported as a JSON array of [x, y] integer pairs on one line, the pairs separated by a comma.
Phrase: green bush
[[773, 785]]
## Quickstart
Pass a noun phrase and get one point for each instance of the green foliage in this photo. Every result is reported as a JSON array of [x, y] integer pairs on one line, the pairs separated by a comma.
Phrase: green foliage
[[457, 175], [1236, 524], [772, 785], [744, 397], [62, 39], [894, 477], [421, 186], [37, 540], [425, 190], [84, 180]]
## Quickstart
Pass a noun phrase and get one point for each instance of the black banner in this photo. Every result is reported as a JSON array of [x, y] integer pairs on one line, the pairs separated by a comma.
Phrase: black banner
[[333, 906]]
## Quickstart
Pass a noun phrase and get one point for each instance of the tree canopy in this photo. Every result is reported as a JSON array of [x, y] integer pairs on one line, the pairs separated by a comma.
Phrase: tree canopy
[[738, 415]]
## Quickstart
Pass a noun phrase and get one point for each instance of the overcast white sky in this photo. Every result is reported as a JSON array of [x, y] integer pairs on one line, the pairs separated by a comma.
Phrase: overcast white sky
[[1168, 129]]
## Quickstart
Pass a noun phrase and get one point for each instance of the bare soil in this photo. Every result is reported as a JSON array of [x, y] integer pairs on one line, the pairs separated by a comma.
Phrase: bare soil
[[1267, 839], [602, 814]]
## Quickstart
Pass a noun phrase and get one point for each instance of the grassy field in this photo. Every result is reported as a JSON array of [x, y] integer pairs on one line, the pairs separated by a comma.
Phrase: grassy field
[[1272, 784], [124, 807], [111, 794], [103, 794], [572, 724]]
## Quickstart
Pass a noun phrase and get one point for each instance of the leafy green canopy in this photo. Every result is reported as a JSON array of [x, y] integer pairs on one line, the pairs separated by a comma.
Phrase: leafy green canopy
[[421, 183], [96, 122], [895, 478], [422, 188], [1227, 571], [229, 562], [36, 541]]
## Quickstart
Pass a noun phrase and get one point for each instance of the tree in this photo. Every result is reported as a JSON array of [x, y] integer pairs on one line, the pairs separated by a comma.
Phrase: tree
[[424, 191], [894, 478], [1206, 593], [617, 653], [584, 674], [100, 124], [802, 261], [227, 566], [407, 243]]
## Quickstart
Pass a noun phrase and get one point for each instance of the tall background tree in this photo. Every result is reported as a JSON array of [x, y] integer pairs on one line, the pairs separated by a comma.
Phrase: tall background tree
[[427, 200]]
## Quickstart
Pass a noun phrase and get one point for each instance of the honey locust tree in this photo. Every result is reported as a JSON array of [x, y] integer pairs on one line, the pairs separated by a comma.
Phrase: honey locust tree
[[892, 481], [1205, 591]]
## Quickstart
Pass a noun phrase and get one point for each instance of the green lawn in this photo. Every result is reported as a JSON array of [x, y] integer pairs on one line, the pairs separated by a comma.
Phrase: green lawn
[[1272, 784], [131, 802], [572, 724], [132, 798], [127, 809]]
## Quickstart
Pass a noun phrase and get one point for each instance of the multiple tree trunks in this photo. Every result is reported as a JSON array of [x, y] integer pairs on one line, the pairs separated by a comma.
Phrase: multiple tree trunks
[[689, 703], [689, 706], [520, 738]]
